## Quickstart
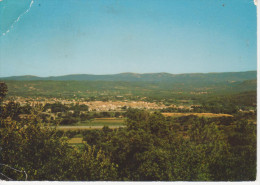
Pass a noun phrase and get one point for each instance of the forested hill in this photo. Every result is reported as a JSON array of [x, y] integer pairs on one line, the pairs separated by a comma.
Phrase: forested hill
[[148, 77]]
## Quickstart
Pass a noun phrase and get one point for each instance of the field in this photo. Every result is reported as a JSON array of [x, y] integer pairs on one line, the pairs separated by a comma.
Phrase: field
[[208, 115], [103, 122], [97, 123], [76, 140], [66, 128]]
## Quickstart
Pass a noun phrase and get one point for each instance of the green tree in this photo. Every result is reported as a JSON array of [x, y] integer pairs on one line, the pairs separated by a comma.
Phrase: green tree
[[243, 151], [209, 143], [3, 91]]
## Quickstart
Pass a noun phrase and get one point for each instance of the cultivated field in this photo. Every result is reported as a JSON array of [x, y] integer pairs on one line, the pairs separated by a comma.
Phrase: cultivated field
[[66, 128], [209, 115], [97, 123], [103, 122]]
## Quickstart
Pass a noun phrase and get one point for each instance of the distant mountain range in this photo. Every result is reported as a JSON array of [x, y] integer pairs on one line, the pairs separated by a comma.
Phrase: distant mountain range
[[132, 85], [146, 77]]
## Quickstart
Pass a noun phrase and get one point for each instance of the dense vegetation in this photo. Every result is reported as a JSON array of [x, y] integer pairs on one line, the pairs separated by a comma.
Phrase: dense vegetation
[[150, 147]]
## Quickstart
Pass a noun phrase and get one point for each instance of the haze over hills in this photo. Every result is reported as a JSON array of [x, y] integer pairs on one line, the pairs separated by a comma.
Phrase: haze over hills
[[149, 77]]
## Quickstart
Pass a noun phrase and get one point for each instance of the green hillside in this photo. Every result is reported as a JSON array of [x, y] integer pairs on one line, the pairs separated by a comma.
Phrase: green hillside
[[163, 87], [147, 77]]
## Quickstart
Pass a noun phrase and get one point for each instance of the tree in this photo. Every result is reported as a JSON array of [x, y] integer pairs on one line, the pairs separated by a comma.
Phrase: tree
[[12, 110], [209, 143], [243, 151], [3, 91], [141, 150]]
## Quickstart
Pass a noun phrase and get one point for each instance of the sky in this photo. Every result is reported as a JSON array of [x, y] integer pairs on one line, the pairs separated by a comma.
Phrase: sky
[[59, 37]]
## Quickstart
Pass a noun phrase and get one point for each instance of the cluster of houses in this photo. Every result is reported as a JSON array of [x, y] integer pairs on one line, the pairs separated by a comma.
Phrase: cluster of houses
[[93, 105], [121, 105]]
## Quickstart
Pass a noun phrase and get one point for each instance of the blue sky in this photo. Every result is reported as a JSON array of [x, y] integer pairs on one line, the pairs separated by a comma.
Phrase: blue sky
[[58, 37]]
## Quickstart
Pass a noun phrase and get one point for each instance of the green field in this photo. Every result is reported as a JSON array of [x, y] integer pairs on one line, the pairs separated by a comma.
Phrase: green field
[[76, 140], [103, 122], [73, 128], [97, 123]]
